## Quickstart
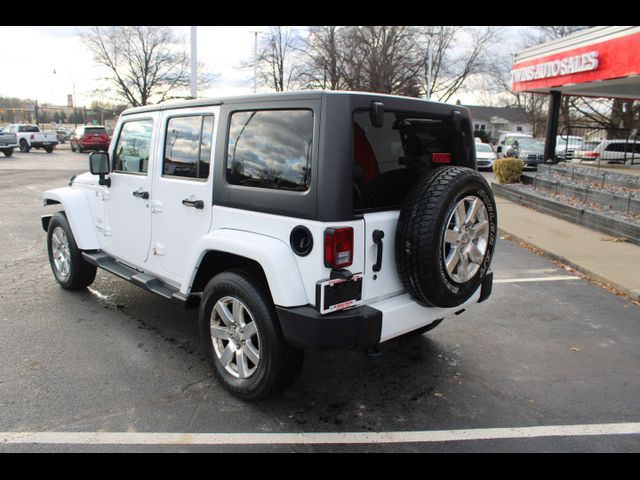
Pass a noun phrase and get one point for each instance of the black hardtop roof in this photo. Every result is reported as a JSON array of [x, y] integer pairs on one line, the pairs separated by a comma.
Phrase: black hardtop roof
[[277, 96]]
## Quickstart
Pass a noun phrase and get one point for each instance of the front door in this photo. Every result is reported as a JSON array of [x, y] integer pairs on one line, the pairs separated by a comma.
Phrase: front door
[[127, 202], [182, 190]]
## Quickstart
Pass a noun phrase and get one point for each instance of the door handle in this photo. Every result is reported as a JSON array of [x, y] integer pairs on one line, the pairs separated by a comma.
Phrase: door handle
[[199, 204], [378, 235], [141, 194]]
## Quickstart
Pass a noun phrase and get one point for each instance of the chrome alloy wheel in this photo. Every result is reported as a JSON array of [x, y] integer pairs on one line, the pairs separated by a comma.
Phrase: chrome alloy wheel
[[235, 337], [466, 239], [61, 252]]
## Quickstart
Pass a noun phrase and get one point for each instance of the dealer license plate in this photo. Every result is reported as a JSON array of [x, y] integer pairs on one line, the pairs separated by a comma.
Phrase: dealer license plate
[[338, 294]]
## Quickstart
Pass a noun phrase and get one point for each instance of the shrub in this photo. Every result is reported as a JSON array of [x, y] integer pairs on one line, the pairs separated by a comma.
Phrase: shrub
[[508, 170]]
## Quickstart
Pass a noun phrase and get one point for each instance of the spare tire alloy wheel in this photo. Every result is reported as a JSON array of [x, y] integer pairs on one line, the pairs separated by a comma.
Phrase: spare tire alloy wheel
[[466, 239], [235, 337]]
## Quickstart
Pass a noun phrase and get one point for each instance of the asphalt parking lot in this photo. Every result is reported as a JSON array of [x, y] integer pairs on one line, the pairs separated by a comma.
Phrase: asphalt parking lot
[[549, 363]]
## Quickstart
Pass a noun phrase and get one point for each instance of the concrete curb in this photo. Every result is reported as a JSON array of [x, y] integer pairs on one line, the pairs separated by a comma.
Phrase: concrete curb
[[632, 294], [571, 214]]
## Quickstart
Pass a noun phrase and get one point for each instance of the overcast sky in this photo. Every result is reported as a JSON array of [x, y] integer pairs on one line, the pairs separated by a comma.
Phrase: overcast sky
[[28, 69]]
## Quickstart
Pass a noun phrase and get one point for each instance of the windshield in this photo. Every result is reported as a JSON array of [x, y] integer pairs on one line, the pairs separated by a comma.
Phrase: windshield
[[483, 147], [28, 128], [94, 131], [569, 141], [530, 144]]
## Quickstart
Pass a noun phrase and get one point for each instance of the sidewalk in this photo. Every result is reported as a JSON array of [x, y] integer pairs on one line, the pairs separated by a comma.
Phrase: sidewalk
[[617, 264]]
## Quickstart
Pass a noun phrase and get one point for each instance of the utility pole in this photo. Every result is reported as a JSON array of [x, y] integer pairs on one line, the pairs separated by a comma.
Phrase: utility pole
[[255, 61], [194, 63], [429, 64]]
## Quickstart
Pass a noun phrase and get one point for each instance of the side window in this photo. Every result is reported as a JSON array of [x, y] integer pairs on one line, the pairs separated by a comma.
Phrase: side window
[[187, 149], [270, 149], [131, 154]]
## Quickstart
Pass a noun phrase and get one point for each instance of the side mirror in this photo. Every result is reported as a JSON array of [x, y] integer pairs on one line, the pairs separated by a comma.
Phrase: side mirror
[[99, 165], [499, 149], [377, 114]]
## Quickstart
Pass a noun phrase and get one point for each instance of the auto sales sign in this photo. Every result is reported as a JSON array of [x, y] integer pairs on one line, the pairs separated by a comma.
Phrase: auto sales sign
[[596, 60], [555, 68]]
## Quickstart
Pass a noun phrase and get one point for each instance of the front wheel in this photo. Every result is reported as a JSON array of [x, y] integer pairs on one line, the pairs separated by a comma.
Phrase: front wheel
[[7, 152], [24, 146], [241, 337], [71, 271]]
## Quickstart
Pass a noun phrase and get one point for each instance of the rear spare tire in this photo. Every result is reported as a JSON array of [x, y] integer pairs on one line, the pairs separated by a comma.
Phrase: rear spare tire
[[446, 235]]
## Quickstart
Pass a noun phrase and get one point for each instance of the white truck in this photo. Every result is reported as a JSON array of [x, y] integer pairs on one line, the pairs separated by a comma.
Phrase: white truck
[[291, 221], [30, 136], [8, 142]]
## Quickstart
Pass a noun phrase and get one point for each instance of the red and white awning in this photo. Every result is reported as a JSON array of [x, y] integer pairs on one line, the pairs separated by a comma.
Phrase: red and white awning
[[598, 62]]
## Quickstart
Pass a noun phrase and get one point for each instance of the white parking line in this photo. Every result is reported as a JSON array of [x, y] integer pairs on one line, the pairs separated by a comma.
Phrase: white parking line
[[557, 278], [149, 438]]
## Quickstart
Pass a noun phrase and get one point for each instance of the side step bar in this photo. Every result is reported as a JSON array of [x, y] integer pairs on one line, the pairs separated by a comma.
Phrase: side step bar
[[149, 283]]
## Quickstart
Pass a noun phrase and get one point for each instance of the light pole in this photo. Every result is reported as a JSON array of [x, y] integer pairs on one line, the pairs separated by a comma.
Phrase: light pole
[[429, 64], [194, 63], [255, 61]]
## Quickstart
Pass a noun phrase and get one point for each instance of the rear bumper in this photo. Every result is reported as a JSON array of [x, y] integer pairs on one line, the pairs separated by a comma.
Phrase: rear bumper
[[94, 146], [47, 144], [356, 328], [364, 327]]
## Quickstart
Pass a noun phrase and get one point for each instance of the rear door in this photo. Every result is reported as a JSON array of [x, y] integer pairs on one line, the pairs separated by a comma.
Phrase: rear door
[[183, 188]]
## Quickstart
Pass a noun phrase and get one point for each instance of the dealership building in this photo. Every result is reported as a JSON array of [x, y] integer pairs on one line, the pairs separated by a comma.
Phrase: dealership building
[[597, 62]]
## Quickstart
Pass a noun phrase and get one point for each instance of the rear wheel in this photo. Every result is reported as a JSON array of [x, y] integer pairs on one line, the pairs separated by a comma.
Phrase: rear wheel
[[241, 337], [7, 152]]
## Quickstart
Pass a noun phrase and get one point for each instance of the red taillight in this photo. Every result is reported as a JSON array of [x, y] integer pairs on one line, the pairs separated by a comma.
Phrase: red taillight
[[591, 154], [338, 247], [441, 158]]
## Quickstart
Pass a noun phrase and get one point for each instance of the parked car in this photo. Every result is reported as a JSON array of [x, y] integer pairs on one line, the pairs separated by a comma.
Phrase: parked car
[[339, 220], [90, 137], [615, 151], [506, 139], [29, 136], [566, 147], [529, 150], [8, 142], [64, 134], [485, 156], [584, 153]]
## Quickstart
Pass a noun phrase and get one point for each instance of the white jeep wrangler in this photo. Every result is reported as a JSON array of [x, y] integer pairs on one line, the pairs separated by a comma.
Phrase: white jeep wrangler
[[293, 220]]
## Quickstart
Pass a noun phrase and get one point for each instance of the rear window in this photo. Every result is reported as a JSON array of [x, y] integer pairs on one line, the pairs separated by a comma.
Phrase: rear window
[[388, 160], [270, 149], [28, 128], [623, 147], [94, 131]]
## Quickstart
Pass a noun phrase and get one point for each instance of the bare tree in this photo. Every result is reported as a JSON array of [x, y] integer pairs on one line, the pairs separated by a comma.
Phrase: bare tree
[[323, 58], [382, 59], [143, 64], [277, 47], [452, 64]]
